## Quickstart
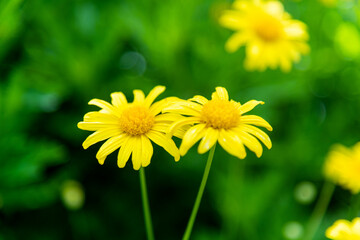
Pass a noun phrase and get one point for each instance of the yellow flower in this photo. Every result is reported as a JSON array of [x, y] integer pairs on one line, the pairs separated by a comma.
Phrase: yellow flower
[[130, 127], [342, 166], [271, 37], [344, 230], [220, 120]]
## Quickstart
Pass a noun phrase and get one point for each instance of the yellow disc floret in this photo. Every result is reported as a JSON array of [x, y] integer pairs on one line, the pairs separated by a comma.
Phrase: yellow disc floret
[[220, 114], [268, 28], [136, 120]]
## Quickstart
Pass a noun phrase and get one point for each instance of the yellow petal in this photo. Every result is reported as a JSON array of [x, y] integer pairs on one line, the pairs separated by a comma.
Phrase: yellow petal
[[250, 142], [256, 120], [94, 126], [180, 123], [184, 108], [101, 160], [214, 96], [285, 64], [257, 133], [199, 99], [161, 127], [154, 93], [232, 20], [147, 151], [180, 132], [125, 151], [139, 96], [248, 106], [110, 146], [100, 117], [118, 99], [222, 93], [274, 8], [100, 135], [232, 144], [236, 41], [296, 30], [165, 142], [168, 117], [104, 105], [338, 229], [159, 106], [191, 136], [192, 105], [137, 153], [209, 139]]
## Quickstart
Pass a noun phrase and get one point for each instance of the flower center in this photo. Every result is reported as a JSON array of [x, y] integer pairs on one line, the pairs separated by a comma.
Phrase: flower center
[[220, 114], [268, 28], [136, 120]]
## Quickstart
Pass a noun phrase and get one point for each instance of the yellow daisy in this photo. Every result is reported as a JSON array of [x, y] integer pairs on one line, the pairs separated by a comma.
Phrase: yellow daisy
[[129, 127], [342, 166], [220, 120], [344, 230], [272, 39]]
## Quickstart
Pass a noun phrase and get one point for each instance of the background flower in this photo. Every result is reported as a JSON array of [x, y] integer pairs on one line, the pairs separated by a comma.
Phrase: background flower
[[272, 39], [342, 167], [344, 230]]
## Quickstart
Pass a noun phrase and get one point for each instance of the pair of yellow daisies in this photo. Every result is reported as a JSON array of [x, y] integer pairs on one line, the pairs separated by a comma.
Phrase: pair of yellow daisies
[[130, 127]]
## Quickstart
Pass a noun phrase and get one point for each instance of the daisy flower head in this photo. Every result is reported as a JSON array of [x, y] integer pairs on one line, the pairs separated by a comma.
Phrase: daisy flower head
[[344, 230], [220, 120], [342, 166], [129, 127], [271, 37]]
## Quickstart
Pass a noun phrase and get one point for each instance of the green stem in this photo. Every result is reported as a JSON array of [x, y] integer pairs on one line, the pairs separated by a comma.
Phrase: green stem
[[319, 211], [145, 201], [199, 195], [355, 205]]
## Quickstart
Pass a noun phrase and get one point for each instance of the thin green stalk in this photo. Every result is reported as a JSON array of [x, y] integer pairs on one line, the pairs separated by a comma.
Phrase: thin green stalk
[[199, 195], [319, 210], [145, 201], [355, 206]]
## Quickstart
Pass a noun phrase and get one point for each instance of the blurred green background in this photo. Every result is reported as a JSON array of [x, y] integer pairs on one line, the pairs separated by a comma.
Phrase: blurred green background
[[57, 55]]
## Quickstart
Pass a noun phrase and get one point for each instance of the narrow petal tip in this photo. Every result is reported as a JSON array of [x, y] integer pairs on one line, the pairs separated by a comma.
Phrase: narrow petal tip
[[101, 161], [85, 146], [136, 168]]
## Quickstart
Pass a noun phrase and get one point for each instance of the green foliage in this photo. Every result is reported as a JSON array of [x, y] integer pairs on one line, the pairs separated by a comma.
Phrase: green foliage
[[57, 55]]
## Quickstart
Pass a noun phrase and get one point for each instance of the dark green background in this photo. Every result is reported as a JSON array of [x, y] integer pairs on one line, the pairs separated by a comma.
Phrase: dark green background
[[57, 55]]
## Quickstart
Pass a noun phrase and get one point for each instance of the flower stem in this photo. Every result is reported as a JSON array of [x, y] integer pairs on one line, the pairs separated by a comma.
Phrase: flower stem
[[355, 205], [145, 201], [199, 195], [319, 211]]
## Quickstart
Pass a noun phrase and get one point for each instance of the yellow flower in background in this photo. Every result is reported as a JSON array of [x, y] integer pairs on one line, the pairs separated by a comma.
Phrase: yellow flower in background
[[130, 127], [220, 120], [344, 230], [272, 39], [342, 166]]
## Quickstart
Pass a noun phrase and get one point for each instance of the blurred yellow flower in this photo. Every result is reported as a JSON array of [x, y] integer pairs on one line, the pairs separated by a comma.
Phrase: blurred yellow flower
[[222, 120], [272, 39], [342, 166], [130, 127], [344, 230]]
